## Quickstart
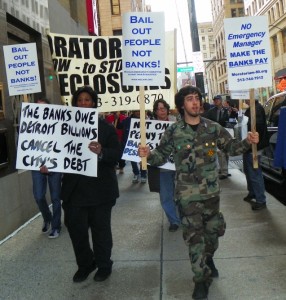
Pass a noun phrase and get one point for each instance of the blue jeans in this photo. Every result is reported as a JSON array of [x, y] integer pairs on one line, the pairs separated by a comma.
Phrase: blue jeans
[[254, 178], [135, 170], [167, 191], [39, 190]]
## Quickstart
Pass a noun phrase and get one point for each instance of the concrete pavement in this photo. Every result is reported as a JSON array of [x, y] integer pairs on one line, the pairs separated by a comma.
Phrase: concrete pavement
[[149, 261]]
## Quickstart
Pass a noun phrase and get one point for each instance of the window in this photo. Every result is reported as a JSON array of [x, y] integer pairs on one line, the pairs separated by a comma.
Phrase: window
[[3, 148], [233, 12], [240, 12], [275, 46], [203, 38], [284, 39], [117, 32], [115, 7]]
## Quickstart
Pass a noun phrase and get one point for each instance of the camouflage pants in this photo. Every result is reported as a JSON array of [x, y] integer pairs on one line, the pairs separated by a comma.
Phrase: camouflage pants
[[202, 224]]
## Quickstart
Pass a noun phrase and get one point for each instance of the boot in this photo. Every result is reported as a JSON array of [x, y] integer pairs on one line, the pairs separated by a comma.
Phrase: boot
[[211, 265], [201, 290]]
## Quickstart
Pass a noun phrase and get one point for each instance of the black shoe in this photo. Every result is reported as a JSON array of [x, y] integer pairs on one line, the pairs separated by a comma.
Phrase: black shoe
[[173, 227], [102, 274], [201, 290], [258, 206], [46, 227], [248, 198], [228, 174], [221, 177], [211, 265], [82, 274]]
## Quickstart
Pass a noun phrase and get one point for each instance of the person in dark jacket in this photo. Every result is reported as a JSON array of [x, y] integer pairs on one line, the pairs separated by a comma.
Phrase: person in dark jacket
[[220, 115], [88, 201], [254, 177]]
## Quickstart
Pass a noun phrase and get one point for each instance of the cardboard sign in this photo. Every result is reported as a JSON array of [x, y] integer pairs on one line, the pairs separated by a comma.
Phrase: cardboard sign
[[154, 131], [58, 137], [248, 52], [21, 62]]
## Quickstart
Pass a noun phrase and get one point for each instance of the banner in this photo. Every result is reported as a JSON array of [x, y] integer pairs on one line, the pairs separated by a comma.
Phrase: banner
[[97, 61], [57, 136], [154, 131], [22, 69]]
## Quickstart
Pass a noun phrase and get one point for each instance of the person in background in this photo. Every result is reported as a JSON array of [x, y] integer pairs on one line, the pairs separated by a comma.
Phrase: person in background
[[220, 115], [88, 201], [254, 176], [193, 141], [40, 180], [138, 173], [116, 119], [163, 180]]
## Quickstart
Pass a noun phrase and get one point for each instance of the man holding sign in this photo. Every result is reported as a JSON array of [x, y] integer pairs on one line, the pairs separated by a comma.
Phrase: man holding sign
[[194, 141]]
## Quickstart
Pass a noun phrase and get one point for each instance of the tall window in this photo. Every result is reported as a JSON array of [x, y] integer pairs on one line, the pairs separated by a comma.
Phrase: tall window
[[284, 39], [275, 46], [115, 7]]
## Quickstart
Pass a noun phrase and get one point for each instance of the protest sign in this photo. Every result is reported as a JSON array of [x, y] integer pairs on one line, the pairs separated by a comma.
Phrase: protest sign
[[248, 52], [143, 48], [97, 61], [58, 137], [22, 69], [154, 132]]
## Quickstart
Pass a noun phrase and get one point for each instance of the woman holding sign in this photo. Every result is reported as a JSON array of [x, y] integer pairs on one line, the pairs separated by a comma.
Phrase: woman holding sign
[[88, 201]]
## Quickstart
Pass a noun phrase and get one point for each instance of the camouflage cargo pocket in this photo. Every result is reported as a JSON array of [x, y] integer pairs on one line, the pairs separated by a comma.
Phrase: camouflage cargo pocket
[[221, 224]]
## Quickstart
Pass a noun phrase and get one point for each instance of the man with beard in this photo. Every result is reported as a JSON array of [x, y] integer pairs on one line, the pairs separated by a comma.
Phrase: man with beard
[[194, 141]]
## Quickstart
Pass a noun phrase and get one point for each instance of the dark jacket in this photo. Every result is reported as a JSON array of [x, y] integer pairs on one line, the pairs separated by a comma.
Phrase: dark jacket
[[261, 126], [83, 190], [212, 115]]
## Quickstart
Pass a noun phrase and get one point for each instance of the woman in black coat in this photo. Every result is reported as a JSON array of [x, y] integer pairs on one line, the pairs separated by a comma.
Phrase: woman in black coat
[[88, 201]]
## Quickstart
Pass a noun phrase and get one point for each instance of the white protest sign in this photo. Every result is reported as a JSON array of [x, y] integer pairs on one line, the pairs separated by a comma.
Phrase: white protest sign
[[58, 137], [97, 61], [21, 62], [143, 48], [198, 63], [154, 132], [248, 52]]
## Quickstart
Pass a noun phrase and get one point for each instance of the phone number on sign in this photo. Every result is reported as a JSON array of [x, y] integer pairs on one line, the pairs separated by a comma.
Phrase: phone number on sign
[[249, 78], [127, 100]]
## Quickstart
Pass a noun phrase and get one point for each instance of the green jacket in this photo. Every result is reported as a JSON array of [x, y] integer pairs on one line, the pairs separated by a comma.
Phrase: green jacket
[[195, 154]]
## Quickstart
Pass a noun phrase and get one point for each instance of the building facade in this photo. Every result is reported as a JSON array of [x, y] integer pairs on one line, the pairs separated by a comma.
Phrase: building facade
[[28, 21], [276, 12]]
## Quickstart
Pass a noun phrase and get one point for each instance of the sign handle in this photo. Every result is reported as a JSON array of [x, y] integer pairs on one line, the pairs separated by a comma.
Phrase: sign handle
[[253, 127], [142, 125]]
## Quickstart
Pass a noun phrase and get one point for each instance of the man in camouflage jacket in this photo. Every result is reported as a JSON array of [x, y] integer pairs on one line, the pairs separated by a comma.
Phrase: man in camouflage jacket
[[194, 141]]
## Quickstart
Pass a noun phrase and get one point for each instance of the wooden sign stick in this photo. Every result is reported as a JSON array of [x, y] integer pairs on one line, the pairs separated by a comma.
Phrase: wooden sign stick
[[142, 125], [253, 127]]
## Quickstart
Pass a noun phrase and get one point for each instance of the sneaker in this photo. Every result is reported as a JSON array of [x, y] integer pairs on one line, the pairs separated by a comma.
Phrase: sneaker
[[248, 198], [143, 179], [173, 227], [54, 234], [222, 177], [46, 227], [211, 265], [258, 206], [135, 179]]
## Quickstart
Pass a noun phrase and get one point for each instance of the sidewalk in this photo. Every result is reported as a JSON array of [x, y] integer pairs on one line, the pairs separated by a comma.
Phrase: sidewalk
[[149, 261]]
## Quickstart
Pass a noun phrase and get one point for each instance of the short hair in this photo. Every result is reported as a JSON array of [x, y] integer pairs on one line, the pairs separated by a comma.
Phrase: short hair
[[182, 93], [84, 89], [45, 100], [156, 104]]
